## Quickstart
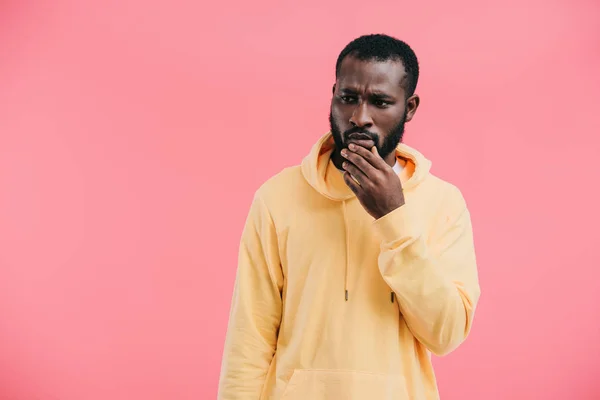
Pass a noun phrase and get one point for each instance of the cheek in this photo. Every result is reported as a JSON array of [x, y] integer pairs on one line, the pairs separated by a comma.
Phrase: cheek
[[391, 119], [339, 115]]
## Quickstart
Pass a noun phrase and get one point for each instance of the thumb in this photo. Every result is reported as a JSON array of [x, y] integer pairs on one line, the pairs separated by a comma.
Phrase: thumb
[[374, 150]]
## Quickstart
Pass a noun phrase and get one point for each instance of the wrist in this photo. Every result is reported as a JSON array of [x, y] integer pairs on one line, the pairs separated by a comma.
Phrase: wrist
[[392, 209]]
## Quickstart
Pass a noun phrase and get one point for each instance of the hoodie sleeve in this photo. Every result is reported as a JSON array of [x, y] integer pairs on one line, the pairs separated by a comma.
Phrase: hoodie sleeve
[[435, 280], [255, 312]]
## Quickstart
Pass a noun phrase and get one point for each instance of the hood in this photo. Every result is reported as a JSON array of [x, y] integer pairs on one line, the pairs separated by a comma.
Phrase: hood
[[320, 172]]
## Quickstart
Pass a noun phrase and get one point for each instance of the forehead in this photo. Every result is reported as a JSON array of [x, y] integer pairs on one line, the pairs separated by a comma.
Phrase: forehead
[[371, 74]]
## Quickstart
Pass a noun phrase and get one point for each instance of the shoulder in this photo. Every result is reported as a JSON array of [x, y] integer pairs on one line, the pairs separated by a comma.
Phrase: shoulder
[[450, 201], [280, 187], [448, 190], [287, 179]]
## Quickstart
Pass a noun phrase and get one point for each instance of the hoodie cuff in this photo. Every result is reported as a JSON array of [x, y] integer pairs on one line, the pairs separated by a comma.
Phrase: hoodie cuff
[[398, 225]]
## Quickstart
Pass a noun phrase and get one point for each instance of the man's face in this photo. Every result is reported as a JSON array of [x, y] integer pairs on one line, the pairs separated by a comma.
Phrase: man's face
[[369, 105]]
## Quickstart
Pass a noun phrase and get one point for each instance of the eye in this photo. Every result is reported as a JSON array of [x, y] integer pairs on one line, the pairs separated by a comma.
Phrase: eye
[[347, 99], [381, 103]]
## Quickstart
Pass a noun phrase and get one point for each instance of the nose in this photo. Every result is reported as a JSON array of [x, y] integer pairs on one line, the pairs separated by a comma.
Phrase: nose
[[360, 116]]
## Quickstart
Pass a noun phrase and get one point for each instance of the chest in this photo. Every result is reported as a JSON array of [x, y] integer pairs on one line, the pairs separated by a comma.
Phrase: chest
[[324, 241]]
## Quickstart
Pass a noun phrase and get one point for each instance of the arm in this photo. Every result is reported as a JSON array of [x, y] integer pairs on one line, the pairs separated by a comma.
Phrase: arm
[[255, 312], [436, 283]]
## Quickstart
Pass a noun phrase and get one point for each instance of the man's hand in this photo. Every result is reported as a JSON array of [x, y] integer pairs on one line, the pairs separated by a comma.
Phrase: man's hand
[[378, 189]]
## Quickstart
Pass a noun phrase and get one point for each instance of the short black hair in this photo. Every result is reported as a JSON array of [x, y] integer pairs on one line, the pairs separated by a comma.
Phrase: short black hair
[[380, 47]]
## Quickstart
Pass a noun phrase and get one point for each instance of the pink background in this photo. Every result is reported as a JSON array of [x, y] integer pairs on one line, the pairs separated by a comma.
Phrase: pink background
[[134, 133]]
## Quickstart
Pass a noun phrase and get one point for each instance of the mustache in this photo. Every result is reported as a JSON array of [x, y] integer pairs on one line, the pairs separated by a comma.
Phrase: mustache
[[361, 131]]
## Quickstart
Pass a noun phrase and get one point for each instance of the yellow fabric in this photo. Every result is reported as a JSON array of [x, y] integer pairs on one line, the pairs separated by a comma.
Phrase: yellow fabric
[[331, 304]]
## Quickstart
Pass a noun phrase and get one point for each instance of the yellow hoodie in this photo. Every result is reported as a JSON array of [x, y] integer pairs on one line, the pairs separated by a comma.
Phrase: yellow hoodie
[[331, 304]]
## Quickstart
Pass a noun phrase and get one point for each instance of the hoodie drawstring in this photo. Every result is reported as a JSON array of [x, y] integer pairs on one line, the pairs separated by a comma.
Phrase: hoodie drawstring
[[347, 234], [346, 227]]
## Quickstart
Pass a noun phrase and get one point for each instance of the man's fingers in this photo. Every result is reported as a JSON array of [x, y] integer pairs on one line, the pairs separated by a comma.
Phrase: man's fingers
[[360, 162], [373, 157], [355, 172], [352, 184]]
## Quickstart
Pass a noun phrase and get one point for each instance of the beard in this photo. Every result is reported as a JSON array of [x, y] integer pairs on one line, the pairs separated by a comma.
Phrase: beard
[[390, 141]]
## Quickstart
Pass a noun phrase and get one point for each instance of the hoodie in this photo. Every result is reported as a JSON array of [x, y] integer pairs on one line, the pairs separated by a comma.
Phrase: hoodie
[[329, 303]]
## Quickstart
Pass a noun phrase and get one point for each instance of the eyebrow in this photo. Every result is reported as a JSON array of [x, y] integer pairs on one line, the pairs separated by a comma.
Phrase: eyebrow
[[375, 94], [381, 95]]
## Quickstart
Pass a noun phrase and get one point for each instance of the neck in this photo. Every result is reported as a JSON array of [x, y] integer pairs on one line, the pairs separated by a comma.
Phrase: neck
[[390, 159], [337, 159]]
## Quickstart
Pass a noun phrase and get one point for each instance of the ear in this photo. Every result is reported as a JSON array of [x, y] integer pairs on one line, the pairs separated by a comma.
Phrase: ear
[[333, 89], [412, 103]]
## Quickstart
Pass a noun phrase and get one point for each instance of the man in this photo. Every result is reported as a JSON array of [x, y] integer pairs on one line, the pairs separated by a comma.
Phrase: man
[[357, 264]]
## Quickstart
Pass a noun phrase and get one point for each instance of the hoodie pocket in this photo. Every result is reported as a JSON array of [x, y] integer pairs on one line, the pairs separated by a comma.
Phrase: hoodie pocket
[[343, 385]]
